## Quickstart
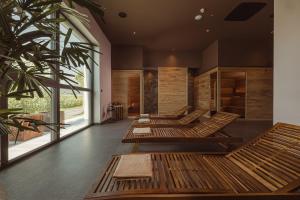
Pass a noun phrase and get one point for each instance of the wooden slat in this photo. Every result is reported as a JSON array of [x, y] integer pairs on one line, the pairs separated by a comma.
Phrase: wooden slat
[[202, 96], [173, 173], [268, 165], [172, 79], [176, 114], [186, 120], [186, 173], [272, 158], [198, 133], [259, 94]]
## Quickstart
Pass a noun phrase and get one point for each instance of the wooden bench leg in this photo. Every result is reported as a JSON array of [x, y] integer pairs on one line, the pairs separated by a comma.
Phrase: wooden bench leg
[[225, 146], [135, 147]]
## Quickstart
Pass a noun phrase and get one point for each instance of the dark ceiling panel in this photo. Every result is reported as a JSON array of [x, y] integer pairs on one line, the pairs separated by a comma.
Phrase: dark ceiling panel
[[245, 11], [170, 24]]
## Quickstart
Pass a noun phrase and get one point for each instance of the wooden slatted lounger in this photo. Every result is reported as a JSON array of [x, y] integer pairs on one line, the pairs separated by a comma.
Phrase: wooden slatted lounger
[[177, 114], [265, 168], [202, 132], [184, 121]]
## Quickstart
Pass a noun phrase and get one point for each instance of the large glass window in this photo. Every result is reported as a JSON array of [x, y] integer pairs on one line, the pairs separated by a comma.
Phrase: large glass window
[[82, 76], [21, 142], [74, 112]]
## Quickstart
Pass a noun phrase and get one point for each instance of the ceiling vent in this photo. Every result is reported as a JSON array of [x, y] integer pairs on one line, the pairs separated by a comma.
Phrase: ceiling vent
[[245, 11]]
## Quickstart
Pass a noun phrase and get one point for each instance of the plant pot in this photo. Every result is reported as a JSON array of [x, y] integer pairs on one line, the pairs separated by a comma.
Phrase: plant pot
[[27, 134]]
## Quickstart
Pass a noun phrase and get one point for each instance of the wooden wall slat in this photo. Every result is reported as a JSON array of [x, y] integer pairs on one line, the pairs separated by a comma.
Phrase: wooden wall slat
[[259, 94], [172, 89], [202, 92]]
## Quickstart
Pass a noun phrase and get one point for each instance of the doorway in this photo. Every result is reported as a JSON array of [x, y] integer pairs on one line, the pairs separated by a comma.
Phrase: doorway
[[134, 95], [233, 90]]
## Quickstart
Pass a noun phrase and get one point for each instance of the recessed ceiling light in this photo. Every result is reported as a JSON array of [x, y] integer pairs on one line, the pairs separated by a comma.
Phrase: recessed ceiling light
[[198, 17], [202, 10], [122, 14], [207, 30], [134, 33]]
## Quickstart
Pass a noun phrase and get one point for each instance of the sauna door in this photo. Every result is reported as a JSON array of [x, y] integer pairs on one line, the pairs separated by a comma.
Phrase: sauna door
[[233, 88], [133, 95]]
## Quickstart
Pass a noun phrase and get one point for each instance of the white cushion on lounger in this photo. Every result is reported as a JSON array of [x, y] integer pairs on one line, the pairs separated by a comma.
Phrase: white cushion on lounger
[[144, 120], [134, 166], [145, 115], [141, 131]]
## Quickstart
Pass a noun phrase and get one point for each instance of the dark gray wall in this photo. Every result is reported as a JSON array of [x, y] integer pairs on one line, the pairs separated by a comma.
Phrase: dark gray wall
[[191, 59], [238, 53], [210, 57], [223, 53], [252, 53], [134, 57], [127, 57]]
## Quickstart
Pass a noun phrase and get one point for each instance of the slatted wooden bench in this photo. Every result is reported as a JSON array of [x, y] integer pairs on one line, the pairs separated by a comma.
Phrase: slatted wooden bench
[[184, 121], [265, 168], [207, 131]]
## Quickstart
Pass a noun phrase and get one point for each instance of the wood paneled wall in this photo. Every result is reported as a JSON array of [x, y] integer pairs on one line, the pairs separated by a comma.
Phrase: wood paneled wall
[[259, 91], [190, 88], [202, 92], [120, 86], [259, 103], [172, 89]]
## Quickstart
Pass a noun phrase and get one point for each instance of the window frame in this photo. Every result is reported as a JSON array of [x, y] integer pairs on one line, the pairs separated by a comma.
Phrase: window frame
[[56, 86]]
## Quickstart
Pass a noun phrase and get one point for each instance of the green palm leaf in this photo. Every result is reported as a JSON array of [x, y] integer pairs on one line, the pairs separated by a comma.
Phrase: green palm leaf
[[27, 59]]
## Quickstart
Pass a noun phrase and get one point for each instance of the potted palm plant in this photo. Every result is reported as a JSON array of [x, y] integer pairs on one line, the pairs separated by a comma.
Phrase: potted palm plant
[[28, 57]]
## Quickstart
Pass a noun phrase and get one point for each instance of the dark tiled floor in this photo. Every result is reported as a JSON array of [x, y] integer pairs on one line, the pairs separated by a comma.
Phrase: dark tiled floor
[[67, 170]]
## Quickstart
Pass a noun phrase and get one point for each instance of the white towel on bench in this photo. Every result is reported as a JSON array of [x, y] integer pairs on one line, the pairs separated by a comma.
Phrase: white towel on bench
[[145, 115], [134, 166], [144, 120], [142, 131]]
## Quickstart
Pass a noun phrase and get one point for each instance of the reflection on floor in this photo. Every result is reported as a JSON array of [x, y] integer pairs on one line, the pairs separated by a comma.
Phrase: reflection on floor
[[16, 150], [67, 170], [73, 125]]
